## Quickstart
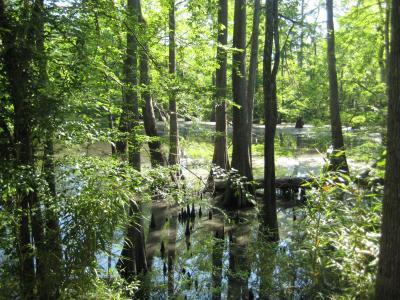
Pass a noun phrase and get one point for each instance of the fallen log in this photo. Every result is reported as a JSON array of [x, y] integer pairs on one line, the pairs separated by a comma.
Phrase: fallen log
[[287, 182], [280, 183]]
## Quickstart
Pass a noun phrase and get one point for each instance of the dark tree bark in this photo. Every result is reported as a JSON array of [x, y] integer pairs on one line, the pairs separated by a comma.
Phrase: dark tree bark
[[156, 156], [220, 143], [270, 106], [173, 118], [111, 126], [383, 53], [133, 256], [299, 123], [53, 232], [338, 156], [387, 283], [240, 142], [387, 38], [18, 57], [35, 37], [301, 54], [52, 252], [130, 105], [251, 85]]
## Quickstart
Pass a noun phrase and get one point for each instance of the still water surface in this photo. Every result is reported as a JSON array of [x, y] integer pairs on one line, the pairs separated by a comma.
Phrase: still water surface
[[220, 259]]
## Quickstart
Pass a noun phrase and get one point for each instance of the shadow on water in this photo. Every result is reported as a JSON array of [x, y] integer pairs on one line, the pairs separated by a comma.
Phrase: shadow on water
[[209, 257], [217, 255]]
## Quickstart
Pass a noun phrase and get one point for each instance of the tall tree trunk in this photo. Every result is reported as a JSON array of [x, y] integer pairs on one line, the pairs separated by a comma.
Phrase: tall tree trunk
[[35, 36], [156, 156], [271, 112], [382, 58], [53, 231], [338, 156], [220, 143], [52, 240], [37, 226], [236, 196], [111, 127], [251, 85], [173, 118], [387, 36], [133, 256], [381, 62], [387, 283], [301, 54], [240, 142], [17, 79], [130, 110], [17, 59]]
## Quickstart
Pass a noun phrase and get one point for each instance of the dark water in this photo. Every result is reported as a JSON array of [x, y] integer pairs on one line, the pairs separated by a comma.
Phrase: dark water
[[230, 266], [206, 265], [203, 266]]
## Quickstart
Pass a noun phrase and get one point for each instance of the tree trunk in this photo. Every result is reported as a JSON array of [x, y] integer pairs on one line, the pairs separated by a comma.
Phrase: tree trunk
[[271, 111], [220, 143], [52, 254], [301, 54], [36, 37], [156, 156], [53, 237], [387, 283], [240, 142], [381, 61], [382, 56], [173, 118], [338, 156], [387, 37], [133, 256], [130, 105], [17, 60], [39, 242], [251, 85], [18, 78], [111, 126]]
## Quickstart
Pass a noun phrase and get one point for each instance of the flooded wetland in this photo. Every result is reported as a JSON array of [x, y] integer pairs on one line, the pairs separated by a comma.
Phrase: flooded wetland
[[197, 249]]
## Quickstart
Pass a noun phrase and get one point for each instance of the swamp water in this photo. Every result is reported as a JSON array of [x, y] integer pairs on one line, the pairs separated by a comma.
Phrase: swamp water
[[222, 257]]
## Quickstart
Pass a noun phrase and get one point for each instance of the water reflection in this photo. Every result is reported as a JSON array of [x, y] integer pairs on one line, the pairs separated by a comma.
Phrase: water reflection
[[214, 261], [217, 255], [239, 269], [209, 256]]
